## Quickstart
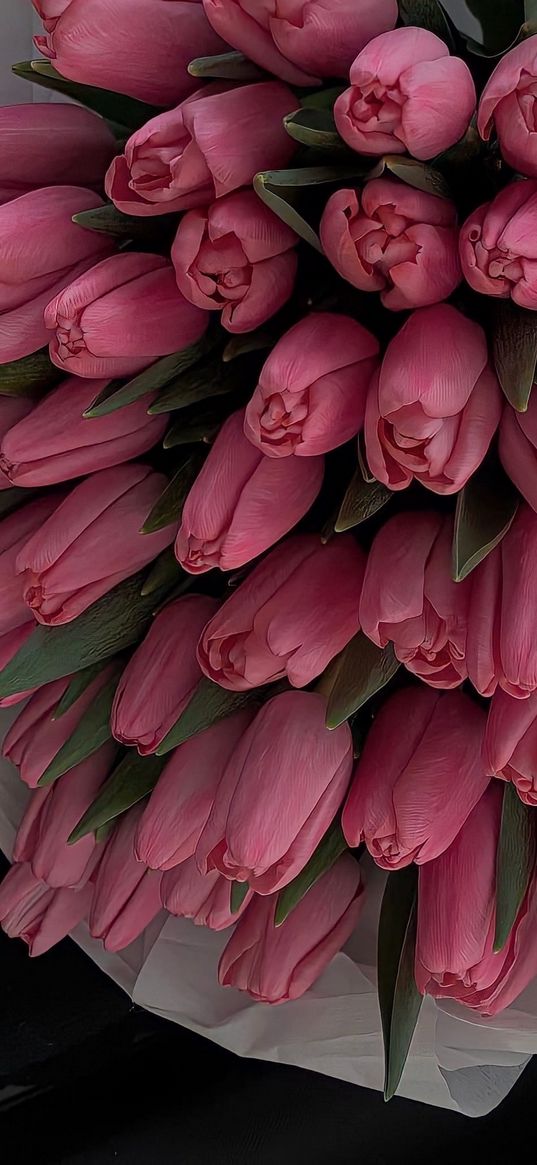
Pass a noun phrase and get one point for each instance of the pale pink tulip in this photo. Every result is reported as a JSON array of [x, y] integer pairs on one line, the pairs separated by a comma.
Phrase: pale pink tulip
[[205, 898], [510, 744], [91, 542], [418, 777], [312, 388], [394, 239], [10, 643], [277, 964], [407, 94], [291, 616], [15, 531], [157, 38], [409, 599], [279, 793], [434, 406], [508, 105], [119, 317], [53, 144], [236, 257], [127, 895], [34, 912], [242, 502], [518, 448], [214, 142], [12, 410], [497, 247]]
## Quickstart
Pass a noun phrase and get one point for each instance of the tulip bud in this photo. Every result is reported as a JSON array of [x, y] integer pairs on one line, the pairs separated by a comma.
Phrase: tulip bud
[[15, 531], [53, 144], [12, 410], [510, 743], [127, 894], [30, 910], [205, 898], [9, 646], [517, 447], [508, 105], [496, 246]]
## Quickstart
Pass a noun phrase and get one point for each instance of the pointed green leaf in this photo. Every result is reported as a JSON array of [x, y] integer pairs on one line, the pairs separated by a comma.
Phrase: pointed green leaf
[[109, 220], [131, 781], [420, 175], [209, 704], [194, 431], [357, 673], [76, 688], [91, 732], [515, 862], [169, 506], [399, 998], [362, 462], [530, 11], [117, 107], [230, 66], [237, 895], [116, 395], [315, 128], [103, 832], [485, 511], [165, 574], [330, 848], [514, 347], [246, 342], [205, 381], [31, 374], [288, 192], [361, 501], [428, 14]]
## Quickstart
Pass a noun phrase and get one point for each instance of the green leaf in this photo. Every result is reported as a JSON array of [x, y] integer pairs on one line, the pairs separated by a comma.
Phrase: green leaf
[[200, 426], [420, 175], [330, 848], [116, 107], [490, 29], [357, 673], [530, 11], [31, 374], [399, 998], [230, 66], [169, 506], [103, 832], [288, 192], [92, 731], [514, 348], [428, 14], [246, 342], [362, 500], [134, 777], [315, 128], [109, 220], [165, 574], [237, 895], [202, 382], [485, 511], [76, 689], [116, 395], [515, 862], [209, 704]]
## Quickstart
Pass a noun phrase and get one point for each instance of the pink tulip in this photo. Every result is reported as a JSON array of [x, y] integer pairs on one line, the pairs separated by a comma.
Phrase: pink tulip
[[510, 744], [497, 247], [48, 144], [138, 47], [35, 737], [407, 94], [394, 239], [205, 898], [127, 894], [214, 142], [434, 406], [279, 793], [91, 542], [312, 388], [301, 40], [518, 449], [242, 502], [456, 921], [55, 442], [162, 675], [409, 599], [12, 410], [508, 105], [41, 251], [120, 316], [50, 817], [277, 964], [418, 777], [295, 612], [236, 257], [30, 910], [14, 534], [10, 643]]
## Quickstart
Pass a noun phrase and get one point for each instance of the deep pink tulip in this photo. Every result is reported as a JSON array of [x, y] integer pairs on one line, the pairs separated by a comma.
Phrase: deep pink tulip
[[158, 40], [34, 912], [497, 245], [236, 257], [407, 94], [277, 964], [279, 793], [15, 531], [56, 442], [510, 744], [291, 616], [518, 448], [41, 251], [91, 542], [205, 898], [394, 239], [312, 388], [301, 40], [50, 817], [508, 105], [162, 675], [214, 142], [117, 318], [242, 502], [10, 643], [179, 806], [435, 404], [51, 144], [127, 894], [409, 599], [418, 777], [12, 410], [456, 921]]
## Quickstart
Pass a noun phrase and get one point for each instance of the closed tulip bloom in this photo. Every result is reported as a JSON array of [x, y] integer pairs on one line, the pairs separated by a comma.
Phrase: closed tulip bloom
[[279, 793], [242, 502], [291, 616], [42, 250], [91, 542], [49, 144], [34, 912], [497, 246], [510, 744], [56, 442], [127, 895], [158, 40], [418, 777], [214, 142], [394, 239], [518, 448], [275, 964], [205, 898], [10, 643], [238, 258], [508, 106], [312, 388], [162, 675], [435, 404], [12, 410], [120, 316], [15, 531]]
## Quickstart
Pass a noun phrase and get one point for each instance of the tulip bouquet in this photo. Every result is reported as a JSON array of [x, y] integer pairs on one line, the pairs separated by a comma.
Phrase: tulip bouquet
[[268, 486]]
